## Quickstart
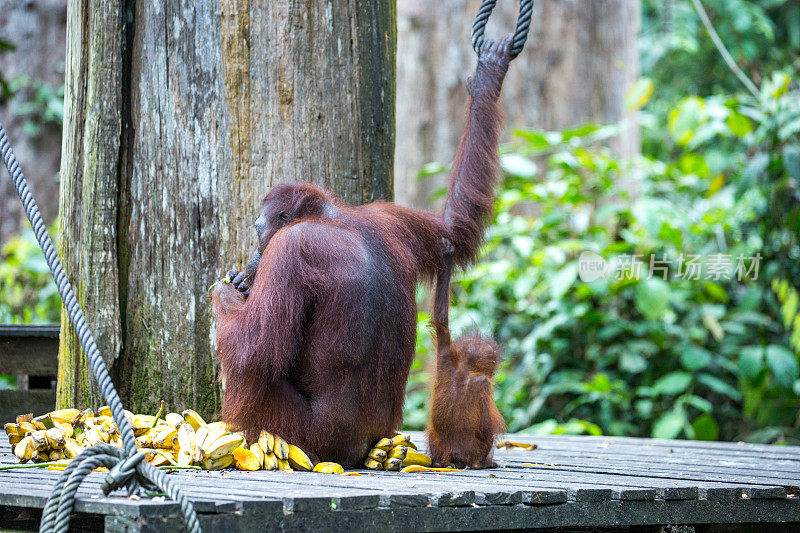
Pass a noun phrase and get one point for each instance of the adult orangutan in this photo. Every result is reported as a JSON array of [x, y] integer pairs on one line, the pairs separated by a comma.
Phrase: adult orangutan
[[317, 335]]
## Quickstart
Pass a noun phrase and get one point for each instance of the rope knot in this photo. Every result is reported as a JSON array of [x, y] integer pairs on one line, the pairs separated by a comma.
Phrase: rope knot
[[119, 475]]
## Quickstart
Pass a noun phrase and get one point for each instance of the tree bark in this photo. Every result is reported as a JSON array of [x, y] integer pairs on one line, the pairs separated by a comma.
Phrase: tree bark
[[37, 30], [579, 60], [204, 106]]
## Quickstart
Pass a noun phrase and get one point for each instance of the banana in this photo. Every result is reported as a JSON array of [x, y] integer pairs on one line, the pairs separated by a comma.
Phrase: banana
[[224, 445], [377, 454], [281, 448], [184, 458], [194, 419], [84, 415], [24, 449], [55, 455], [116, 440], [39, 439], [245, 459], [270, 461], [142, 424], [384, 444], [420, 468], [13, 429], [25, 427], [329, 468], [71, 449], [92, 437], [398, 452], [156, 458], [213, 435], [392, 464], [266, 441], [284, 466], [259, 453], [55, 438], [174, 419], [38, 457], [402, 440], [104, 411], [13, 439], [218, 425], [298, 458], [508, 444], [186, 438], [24, 418], [68, 416], [38, 422], [414, 457], [219, 463], [200, 436], [372, 464], [166, 438], [68, 429]]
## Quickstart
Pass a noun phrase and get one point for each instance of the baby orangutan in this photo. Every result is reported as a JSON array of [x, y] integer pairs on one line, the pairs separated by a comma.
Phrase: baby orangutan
[[464, 421]]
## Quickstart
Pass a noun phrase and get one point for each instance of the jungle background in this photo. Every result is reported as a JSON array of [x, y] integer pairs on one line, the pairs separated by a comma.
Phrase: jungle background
[[681, 157]]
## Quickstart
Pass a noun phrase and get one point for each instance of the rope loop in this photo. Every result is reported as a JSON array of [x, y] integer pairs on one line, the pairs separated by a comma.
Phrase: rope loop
[[520, 34], [121, 473]]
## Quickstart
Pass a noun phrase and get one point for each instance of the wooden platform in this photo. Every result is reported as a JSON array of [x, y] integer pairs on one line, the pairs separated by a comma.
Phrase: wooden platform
[[568, 482]]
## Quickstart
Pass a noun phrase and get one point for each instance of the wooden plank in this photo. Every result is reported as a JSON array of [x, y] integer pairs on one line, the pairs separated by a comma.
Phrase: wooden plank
[[31, 350], [15, 402]]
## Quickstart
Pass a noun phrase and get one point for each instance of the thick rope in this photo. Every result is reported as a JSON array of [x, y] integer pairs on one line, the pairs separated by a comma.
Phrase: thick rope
[[520, 34], [58, 508]]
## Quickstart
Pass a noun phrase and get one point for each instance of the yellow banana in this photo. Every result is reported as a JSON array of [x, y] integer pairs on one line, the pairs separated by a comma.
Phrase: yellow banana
[[402, 440], [92, 437], [69, 416], [414, 457], [55, 455], [174, 419], [200, 436], [24, 418], [186, 438], [55, 438], [372, 464], [166, 438], [26, 427], [298, 458], [329, 468], [39, 439], [13, 439], [142, 424], [270, 461], [68, 429], [392, 464], [224, 445], [266, 441], [194, 419], [218, 425], [219, 463], [24, 449], [283, 465], [280, 448], [398, 452], [377, 454], [245, 459], [420, 468], [184, 458], [384, 444], [71, 449], [259, 453], [13, 429], [104, 411]]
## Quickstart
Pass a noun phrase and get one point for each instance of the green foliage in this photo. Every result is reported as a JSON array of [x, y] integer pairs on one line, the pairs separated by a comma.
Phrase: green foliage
[[27, 291], [44, 108], [662, 354]]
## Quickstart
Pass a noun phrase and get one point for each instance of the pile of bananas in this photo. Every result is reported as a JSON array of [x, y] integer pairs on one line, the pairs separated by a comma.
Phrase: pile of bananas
[[176, 440], [396, 453], [186, 440]]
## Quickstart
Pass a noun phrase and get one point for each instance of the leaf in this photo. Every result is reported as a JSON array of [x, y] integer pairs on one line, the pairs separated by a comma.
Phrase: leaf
[[517, 165], [694, 358], [652, 298], [705, 427], [639, 94], [670, 424], [673, 383], [791, 160], [719, 386], [686, 118], [563, 280], [739, 124], [751, 361], [783, 364]]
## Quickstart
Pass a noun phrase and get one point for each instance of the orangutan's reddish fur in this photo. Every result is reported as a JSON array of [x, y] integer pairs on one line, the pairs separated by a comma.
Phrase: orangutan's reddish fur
[[464, 421], [320, 349]]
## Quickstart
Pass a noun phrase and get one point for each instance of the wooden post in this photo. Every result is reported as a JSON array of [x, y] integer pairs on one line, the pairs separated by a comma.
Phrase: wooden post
[[204, 105]]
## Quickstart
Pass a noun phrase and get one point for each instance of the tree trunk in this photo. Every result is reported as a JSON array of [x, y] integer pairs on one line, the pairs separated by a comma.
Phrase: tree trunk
[[202, 107], [37, 31], [579, 60]]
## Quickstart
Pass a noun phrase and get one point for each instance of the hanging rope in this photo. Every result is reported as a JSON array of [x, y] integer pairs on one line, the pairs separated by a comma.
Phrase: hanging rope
[[127, 468], [520, 34]]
